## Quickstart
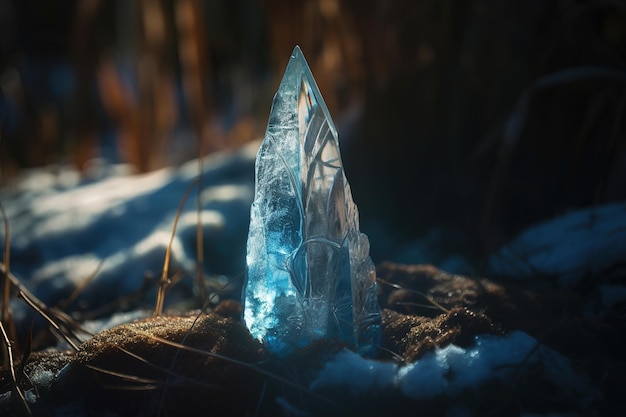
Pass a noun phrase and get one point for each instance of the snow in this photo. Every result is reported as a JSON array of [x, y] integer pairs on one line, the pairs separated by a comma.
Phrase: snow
[[449, 371], [117, 225], [585, 241], [349, 370]]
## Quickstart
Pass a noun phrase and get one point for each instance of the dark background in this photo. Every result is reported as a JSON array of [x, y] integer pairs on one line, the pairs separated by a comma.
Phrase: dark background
[[465, 121]]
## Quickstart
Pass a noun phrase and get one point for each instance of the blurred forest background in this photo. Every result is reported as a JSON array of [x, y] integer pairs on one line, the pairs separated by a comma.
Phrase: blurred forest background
[[478, 116]]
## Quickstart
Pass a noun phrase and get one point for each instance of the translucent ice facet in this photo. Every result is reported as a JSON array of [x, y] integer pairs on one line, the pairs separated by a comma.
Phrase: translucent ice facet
[[309, 271]]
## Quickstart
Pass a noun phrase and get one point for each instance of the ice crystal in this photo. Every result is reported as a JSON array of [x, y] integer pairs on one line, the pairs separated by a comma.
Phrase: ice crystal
[[309, 274]]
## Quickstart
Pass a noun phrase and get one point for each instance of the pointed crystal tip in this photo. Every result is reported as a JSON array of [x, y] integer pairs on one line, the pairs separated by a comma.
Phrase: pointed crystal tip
[[309, 271]]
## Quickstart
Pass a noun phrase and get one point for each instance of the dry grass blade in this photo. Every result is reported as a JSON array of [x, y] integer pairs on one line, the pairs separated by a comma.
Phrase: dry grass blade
[[257, 411], [65, 333], [169, 372], [5, 314], [7, 262], [392, 353], [61, 322], [164, 282], [251, 366], [426, 297], [420, 305], [81, 287], [148, 383], [16, 386], [27, 350], [205, 305], [145, 382], [199, 232], [192, 36], [193, 324]]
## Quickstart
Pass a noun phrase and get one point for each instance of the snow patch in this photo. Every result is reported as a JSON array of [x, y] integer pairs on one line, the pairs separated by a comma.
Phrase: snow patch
[[449, 371], [586, 241], [64, 229]]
